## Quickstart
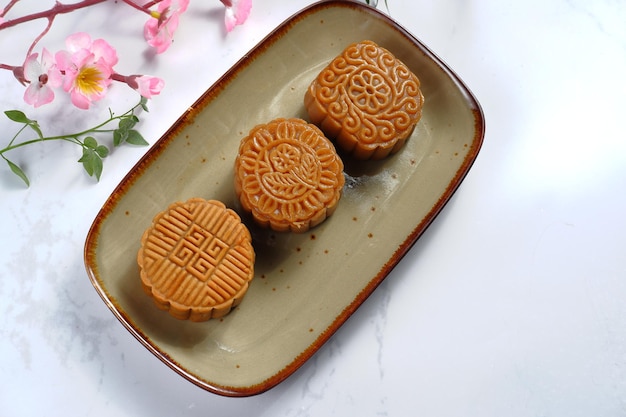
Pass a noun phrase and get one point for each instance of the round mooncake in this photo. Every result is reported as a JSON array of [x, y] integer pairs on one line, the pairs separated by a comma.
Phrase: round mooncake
[[288, 175], [366, 100], [196, 259]]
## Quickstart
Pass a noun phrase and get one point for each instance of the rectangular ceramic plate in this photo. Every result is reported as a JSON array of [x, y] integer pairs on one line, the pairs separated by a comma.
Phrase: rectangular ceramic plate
[[305, 285]]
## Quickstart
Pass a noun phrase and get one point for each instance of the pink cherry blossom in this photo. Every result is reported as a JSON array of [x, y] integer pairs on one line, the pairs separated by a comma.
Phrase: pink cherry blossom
[[148, 86], [159, 29], [81, 42], [41, 76], [237, 11], [87, 67]]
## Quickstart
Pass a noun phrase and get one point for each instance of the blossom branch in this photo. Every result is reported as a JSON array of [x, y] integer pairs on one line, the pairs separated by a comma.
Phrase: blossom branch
[[85, 69], [41, 35], [57, 9], [8, 7], [145, 8], [93, 152]]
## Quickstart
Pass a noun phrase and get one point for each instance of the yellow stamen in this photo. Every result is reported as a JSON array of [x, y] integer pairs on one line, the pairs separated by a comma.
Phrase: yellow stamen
[[155, 14], [88, 80]]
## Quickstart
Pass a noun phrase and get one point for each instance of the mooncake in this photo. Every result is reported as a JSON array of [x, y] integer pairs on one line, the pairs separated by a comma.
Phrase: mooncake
[[196, 259], [366, 100], [288, 175]]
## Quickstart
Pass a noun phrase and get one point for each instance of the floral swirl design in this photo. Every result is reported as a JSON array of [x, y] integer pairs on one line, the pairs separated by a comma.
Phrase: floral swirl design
[[366, 98], [288, 175]]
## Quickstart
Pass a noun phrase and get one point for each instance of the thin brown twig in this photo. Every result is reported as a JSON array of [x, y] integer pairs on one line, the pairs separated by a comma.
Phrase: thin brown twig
[[151, 3], [145, 8], [62, 8], [8, 7], [58, 8], [40, 36]]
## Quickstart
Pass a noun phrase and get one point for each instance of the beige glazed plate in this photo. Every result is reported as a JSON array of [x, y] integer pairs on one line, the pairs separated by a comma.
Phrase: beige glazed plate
[[305, 285]]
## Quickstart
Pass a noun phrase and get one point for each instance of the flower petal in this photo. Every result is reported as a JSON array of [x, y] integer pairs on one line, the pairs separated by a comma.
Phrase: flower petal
[[55, 78], [38, 95], [237, 13], [160, 36], [80, 100], [102, 49], [77, 41], [242, 10], [164, 5], [32, 68], [181, 5], [149, 86], [63, 60], [47, 59]]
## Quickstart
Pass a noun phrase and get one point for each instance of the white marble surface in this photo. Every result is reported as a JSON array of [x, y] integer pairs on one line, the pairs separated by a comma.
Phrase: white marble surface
[[512, 302]]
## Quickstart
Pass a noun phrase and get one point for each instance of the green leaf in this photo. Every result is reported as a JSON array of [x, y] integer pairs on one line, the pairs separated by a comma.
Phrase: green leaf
[[18, 171], [144, 103], [17, 116], [102, 151], [120, 135], [35, 126], [135, 138], [117, 138], [128, 122], [90, 142], [97, 169], [91, 162], [87, 160]]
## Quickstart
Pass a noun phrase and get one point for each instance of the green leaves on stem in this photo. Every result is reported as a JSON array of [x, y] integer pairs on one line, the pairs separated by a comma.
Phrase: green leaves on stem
[[126, 134], [17, 171], [93, 152], [19, 117]]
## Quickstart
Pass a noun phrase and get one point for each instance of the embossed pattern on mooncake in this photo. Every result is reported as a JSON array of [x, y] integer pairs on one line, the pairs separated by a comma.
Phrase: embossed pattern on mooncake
[[288, 175], [366, 100], [196, 259]]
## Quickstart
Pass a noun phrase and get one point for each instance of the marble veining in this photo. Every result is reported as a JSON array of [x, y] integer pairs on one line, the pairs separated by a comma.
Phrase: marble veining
[[510, 304]]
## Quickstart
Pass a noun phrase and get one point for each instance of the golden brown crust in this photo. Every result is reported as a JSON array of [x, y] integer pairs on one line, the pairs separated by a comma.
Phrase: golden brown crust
[[196, 259], [366, 100], [288, 175]]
